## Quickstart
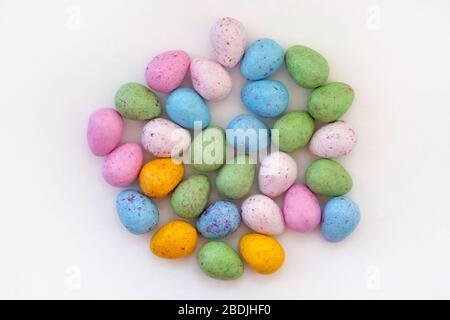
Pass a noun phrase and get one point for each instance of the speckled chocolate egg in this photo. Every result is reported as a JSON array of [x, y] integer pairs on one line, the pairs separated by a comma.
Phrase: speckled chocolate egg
[[295, 129], [235, 178], [262, 59], [262, 214], [277, 173], [104, 131], [266, 98], [219, 220], [191, 196], [328, 177], [208, 150], [210, 79], [185, 107], [228, 41], [333, 140], [164, 139], [136, 102], [301, 209], [219, 261], [160, 176], [340, 218], [121, 167]]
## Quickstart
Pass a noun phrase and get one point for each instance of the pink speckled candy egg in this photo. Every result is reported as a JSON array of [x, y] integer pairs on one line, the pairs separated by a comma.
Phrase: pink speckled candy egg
[[167, 70], [333, 140], [277, 173], [262, 214], [122, 166], [301, 209], [104, 131], [164, 138], [210, 79], [228, 41]]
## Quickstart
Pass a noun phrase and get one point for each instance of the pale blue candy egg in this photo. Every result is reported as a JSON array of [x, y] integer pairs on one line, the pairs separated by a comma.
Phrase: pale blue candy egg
[[339, 218], [247, 133], [266, 98], [184, 106], [219, 220], [263, 58], [136, 212]]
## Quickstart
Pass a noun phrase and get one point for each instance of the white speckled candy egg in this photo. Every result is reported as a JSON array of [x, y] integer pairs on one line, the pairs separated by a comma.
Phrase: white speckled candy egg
[[333, 140], [277, 173], [163, 138], [262, 214], [228, 41], [210, 79]]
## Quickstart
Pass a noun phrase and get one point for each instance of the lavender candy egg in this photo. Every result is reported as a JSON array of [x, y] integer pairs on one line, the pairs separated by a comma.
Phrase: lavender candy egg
[[277, 173], [262, 214], [219, 220], [164, 138], [210, 79], [104, 131], [333, 140], [228, 41], [122, 166]]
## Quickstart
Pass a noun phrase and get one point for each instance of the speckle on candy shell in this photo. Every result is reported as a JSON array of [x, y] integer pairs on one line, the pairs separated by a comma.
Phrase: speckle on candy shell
[[340, 218], [176, 239], [136, 102], [210, 79], [235, 178], [228, 41], [104, 131], [163, 138], [328, 177], [262, 253], [333, 140], [191, 196], [219, 220], [277, 173], [301, 209], [167, 70], [122, 166], [262, 214], [136, 212], [247, 133], [262, 59]]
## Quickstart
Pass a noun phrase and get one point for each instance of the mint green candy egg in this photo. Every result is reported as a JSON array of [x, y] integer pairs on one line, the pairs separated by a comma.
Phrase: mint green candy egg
[[295, 129], [136, 102], [329, 102], [235, 179], [208, 150], [218, 260], [307, 67], [327, 177], [191, 196]]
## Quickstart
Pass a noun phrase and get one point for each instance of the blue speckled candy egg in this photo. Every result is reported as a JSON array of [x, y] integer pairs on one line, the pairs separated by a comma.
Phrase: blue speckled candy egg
[[248, 133], [263, 58], [339, 218], [136, 212], [219, 220], [184, 106], [266, 98]]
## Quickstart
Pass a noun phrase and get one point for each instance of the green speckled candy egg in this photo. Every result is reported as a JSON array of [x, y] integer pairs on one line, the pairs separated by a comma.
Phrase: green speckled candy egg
[[191, 196], [329, 102], [307, 67], [295, 130], [329, 178], [208, 150], [137, 102], [235, 179], [218, 260]]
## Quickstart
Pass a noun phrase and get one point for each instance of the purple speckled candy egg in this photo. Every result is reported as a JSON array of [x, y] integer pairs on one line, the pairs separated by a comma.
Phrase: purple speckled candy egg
[[167, 70], [228, 41], [122, 166], [277, 173], [210, 79], [301, 209], [219, 220], [333, 140], [164, 138], [104, 131], [262, 214]]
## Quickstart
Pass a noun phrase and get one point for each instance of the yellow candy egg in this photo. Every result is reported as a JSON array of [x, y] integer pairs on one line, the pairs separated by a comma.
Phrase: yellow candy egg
[[159, 177], [176, 239], [262, 253]]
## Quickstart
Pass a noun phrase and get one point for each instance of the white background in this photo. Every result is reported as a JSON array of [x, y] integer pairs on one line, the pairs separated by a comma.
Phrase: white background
[[61, 60]]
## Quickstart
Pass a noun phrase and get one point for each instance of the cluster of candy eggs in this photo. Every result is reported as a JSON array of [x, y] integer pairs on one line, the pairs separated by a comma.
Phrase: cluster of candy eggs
[[277, 174]]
